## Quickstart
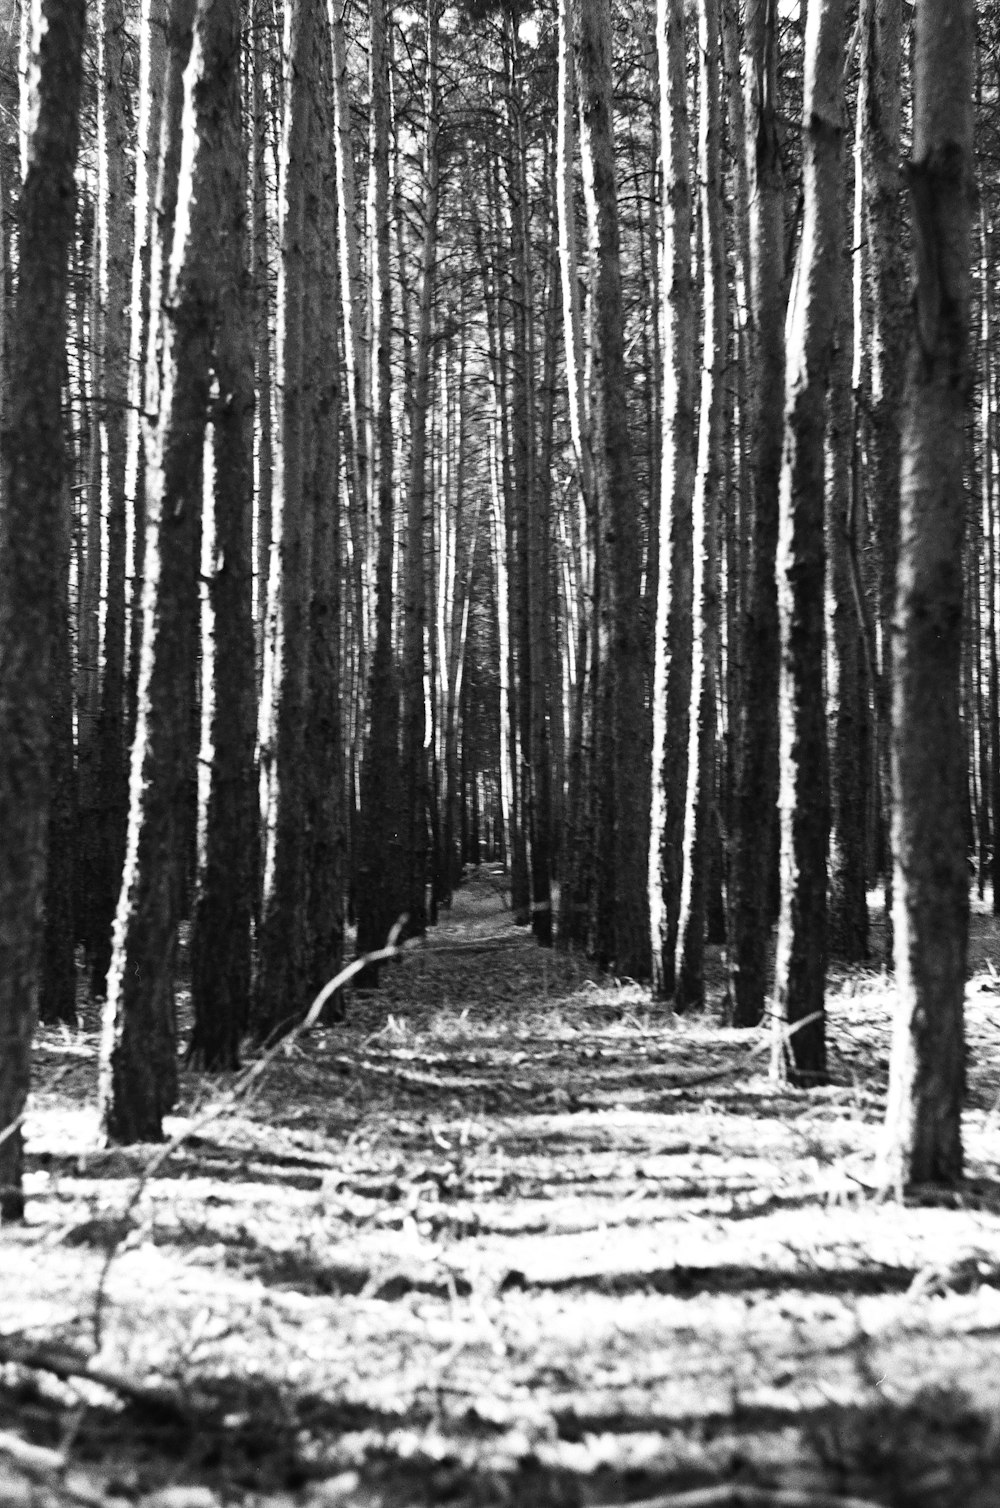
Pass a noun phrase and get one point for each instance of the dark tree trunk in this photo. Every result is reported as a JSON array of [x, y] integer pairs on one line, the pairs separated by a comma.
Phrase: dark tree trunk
[[927, 1074], [220, 938], [32, 464]]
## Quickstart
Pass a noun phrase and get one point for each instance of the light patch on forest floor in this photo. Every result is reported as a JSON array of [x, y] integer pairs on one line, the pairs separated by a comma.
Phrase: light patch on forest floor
[[511, 1235]]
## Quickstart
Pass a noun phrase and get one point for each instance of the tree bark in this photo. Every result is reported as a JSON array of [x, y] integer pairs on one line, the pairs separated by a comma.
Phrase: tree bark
[[757, 744], [281, 983], [220, 934], [672, 644], [927, 1073], [32, 467], [700, 794], [624, 867], [798, 1040]]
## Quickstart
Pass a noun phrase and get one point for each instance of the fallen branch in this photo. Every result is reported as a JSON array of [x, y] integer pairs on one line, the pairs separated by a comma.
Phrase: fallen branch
[[47, 1468], [733, 1496], [68, 1365], [239, 1089]]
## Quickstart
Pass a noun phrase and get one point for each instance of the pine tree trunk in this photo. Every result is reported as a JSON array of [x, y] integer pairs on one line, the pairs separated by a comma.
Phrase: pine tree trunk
[[116, 245], [326, 825], [880, 24], [799, 1042], [673, 642], [260, 270], [847, 689], [379, 879], [32, 467], [414, 761], [622, 828], [220, 935], [281, 984], [700, 795], [931, 896], [757, 744]]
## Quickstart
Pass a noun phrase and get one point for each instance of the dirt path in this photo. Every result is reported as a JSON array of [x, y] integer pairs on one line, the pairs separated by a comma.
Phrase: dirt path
[[510, 1236]]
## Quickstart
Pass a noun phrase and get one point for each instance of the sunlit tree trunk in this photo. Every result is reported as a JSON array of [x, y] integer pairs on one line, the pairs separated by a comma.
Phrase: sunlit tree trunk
[[380, 888], [414, 759], [800, 1054], [757, 744], [138, 1051], [260, 272], [32, 469], [672, 645], [626, 864], [281, 982], [847, 688], [879, 115], [115, 236], [931, 900], [573, 898], [325, 727], [165, 42], [700, 795], [57, 991]]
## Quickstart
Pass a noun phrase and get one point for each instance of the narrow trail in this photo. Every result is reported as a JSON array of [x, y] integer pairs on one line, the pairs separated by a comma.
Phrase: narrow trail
[[512, 1235]]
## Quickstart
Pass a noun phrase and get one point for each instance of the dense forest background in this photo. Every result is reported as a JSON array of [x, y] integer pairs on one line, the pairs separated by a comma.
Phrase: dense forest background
[[494, 432]]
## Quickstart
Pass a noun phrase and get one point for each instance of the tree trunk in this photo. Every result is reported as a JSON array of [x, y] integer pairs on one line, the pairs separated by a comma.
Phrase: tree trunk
[[847, 689], [414, 760], [927, 1074], [799, 1054], [757, 743], [281, 983], [32, 465], [325, 724], [700, 796], [880, 25], [116, 245], [138, 1062], [624, 700], [220, 935], [673, 644], [380, 888]]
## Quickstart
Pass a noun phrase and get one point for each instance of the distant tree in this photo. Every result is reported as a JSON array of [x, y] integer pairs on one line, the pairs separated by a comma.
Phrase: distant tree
[[672, 645], [929, 761], [32, 518], [413, 724], [689, 980], [880, 25], [378, 869]]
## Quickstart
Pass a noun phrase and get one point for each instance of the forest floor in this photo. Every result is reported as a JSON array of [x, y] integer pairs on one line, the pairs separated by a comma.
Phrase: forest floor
[[507, 1236]]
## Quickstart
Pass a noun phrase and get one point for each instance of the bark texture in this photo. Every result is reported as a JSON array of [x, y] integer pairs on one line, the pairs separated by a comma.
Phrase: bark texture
[[220, 938], [672, 645], [624, 868], [757, 744], [931, 901], [32, 467], [799, 1044]]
